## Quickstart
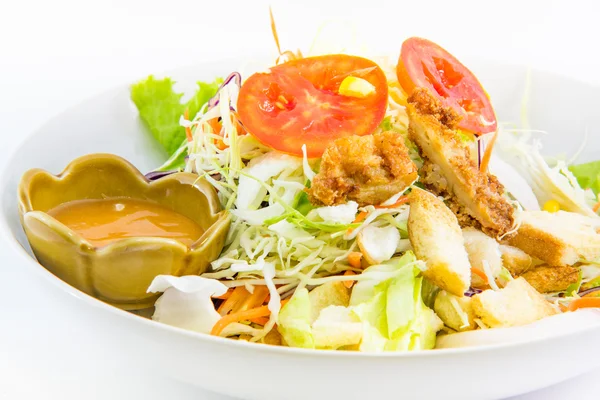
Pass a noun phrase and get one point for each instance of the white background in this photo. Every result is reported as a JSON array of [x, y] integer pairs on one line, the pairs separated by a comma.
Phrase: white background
[[55, 53]]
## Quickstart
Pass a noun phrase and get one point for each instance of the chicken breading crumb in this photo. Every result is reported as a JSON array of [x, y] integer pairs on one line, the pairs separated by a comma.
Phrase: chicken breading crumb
[[426, 104], [477, 198], [547, 279], [367, 169]]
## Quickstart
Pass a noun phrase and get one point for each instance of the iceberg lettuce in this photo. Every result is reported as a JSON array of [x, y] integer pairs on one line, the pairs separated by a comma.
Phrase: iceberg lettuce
[[388, 314], [396, 318], [588, 175], [186, 301], [294, 321]]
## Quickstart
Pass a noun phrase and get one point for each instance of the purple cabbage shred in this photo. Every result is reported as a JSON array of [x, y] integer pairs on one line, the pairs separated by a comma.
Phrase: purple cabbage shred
[[154, 175], [234, 76], [588, 291], [472, 292]]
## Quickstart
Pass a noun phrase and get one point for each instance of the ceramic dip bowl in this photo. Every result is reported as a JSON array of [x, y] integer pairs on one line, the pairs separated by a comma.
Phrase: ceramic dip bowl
[[119, 272]]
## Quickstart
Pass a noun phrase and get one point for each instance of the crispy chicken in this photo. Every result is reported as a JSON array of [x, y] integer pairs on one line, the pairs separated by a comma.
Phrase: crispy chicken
[[475, 197], [547, 279], [367, 169]]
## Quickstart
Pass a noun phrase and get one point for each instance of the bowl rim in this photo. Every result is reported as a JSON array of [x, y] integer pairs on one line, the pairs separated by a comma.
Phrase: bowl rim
[[10, 241]]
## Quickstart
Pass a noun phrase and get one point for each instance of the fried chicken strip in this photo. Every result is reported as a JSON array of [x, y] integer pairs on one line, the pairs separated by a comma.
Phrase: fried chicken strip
[[547, 279], [367, 169], [475, 197]]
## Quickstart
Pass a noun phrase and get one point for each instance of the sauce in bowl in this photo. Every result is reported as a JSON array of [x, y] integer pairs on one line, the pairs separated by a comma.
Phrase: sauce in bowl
[[103, 221]]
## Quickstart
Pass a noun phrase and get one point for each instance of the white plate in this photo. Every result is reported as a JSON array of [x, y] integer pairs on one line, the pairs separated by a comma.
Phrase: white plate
[[109, 123]]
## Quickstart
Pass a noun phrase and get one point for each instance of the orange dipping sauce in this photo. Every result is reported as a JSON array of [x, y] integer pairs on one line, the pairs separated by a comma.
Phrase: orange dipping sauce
[[103, 221]]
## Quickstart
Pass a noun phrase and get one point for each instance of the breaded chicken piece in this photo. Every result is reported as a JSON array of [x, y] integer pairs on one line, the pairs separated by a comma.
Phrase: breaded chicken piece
[[475, 197], [559, 239], [367, 169], [436, 238], [547, 279]]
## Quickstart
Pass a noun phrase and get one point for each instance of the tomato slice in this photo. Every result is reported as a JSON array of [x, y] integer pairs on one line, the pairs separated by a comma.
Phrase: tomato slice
[[298, 103], [423, 63]]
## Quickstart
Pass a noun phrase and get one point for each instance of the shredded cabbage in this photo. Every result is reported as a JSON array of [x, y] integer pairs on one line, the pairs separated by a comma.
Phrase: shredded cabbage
[[548, 182], [272, 241], [186, 301]]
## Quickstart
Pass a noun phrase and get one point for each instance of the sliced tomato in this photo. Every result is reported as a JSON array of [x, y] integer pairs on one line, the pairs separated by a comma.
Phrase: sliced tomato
[[298, 103], [424, 64]]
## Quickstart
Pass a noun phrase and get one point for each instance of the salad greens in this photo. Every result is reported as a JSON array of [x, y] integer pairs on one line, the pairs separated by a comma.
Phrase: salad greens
[[384, 315], [161, 109], [299, 253], [588, 175]]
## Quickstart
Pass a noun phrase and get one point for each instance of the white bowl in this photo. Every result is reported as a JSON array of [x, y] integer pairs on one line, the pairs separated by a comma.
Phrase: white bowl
[[109, 123]]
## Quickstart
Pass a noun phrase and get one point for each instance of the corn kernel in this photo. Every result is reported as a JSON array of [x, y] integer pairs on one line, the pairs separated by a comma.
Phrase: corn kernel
[[356, 87], [551, 206]]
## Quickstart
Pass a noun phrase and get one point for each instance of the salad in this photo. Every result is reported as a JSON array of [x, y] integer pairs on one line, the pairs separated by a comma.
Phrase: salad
[[376, 205]]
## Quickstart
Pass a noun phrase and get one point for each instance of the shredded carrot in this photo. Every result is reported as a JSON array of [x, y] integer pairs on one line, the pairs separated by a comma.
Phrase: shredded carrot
[[224, 296], [188, 130], [247, 315], [274, 30], [237, 296], [354, 259], [254, 300], [596, 207], [221, 144], [288, 55], [563, 308], [401, 200], [238, 124], [584, 302], [216, 126], [487, 155], [480, 273], [359, 218], [260, 320], [262, 311], [349, 284], [363, 214]]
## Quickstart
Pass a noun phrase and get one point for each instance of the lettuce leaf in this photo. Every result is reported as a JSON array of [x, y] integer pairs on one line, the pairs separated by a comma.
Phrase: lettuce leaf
[[186, 301], [160, 108], [336, 326], [396, 318], [588, 175], [177, 160], [388, 314], [365, 290], [294, 321]]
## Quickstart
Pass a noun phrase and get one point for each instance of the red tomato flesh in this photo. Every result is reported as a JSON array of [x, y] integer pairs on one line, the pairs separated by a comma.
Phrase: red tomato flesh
[[298, 103], [424, 64]]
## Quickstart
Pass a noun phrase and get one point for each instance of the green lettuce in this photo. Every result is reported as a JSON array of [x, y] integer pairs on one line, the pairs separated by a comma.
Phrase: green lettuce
[[364, 290], [335, 326], [160, 108], [396, 318], [177, 159], [386, 314], [574, 287], [588, 175], [294, 323]]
